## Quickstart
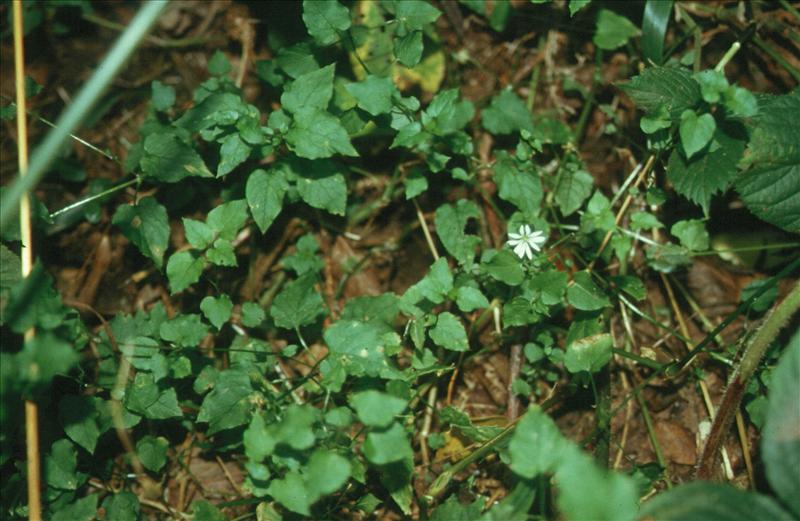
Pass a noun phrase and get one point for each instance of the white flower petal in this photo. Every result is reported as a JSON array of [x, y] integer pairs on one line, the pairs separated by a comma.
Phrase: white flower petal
[[522, 249], [525, 229]]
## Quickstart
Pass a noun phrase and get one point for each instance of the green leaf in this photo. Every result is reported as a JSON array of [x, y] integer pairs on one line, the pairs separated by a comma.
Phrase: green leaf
[[518, 185], [264, 193], [415, 183], [252, 314], [535, 429], [702, 501], [584, 293], [152, 452], [228, 218], [469, 299], [219, 65], [186, 330], [296, 427], [123, 506], [361, 347], [590, 354], [631, 285], [644, 221], [551, 285], [507, 113], [83, 509], [221, 253], [387, 446], [42, 358], [306, 257], [692, 234], [163, 96], [505, 267], [577, 5], [79, 416], [377, 409], [696, 132], [232, 153], [449, 333], [229, 402], [446, 114], [168, 159], [199, 234], [316, 134], [147, 226], [61, 465], [205, 511], [374, 94], [258, 440], [326, 473], [217, 309], [773, 194], [667, 257], [298, 304], [312, 90], [775, 130], [712, 84], [711, 172], [672, 88], [574, 187], [408, 49], [291, 493], [613, 30], [654, 27], [416, 13], [780, 442], [434, 286], [148, 399], [322, 185], [325, 20], [603, 496], [33, 301], [454, 510], [450, 223]]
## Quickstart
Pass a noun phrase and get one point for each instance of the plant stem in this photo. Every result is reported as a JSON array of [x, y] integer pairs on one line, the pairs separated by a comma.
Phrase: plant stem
[[777, 318], [31, 408], [95, 197]]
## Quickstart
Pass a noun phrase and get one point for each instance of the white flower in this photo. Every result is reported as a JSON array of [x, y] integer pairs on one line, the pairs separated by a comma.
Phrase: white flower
[[526, 241]]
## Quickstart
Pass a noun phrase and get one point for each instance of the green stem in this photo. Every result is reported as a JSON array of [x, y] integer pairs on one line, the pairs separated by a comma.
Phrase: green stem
[[734, 48], [93, 198]]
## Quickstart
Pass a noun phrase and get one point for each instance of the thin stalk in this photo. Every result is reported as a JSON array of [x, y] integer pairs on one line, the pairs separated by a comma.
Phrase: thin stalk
[[34, 481], [46, 153], [73, 136], [95, 197]]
